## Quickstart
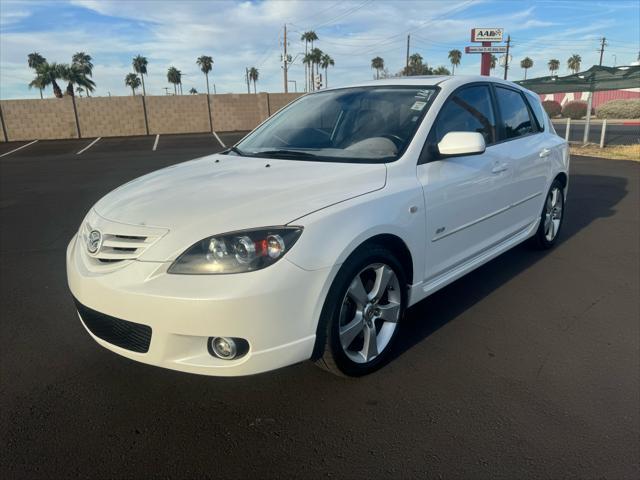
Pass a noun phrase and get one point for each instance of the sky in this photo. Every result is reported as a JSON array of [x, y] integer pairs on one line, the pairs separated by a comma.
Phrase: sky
[[240, 34]]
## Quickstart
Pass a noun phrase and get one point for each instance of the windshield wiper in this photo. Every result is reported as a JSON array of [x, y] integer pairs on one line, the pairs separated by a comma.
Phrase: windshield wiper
[[284, 153], [235, 150]]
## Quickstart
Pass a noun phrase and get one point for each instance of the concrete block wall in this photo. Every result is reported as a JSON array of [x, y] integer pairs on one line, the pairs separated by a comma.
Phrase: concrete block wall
[[178, 114], [50, 118], [280, 100], [53, 118], [110, 117], [232, 112]]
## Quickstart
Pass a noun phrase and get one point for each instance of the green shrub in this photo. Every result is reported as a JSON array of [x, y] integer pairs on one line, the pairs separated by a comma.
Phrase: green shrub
[[552, 108], [620, 109], [574, 110]]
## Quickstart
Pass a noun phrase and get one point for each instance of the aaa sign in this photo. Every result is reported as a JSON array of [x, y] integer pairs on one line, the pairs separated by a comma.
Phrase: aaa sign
[[486, 34]]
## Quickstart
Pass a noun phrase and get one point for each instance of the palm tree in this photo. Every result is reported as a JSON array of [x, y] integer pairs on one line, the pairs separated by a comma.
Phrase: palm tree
[[206, 64], [308, 37], [308, 61], [39, 83], [79, 91], [253, 77], [35, 60], [74, 75], [454, 57], [325, 62], [416, 66], [494, 62], [377, 64], [174, 76], [47, 74], [133, 81], [316, 60], [526, 63], [140, 67], [554, 65], [574, 63], [82, 62], [441, 70], [193, 91]]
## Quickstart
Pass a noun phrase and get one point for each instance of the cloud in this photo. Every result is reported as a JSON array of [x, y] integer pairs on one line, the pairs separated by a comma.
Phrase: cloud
[[250, 33]]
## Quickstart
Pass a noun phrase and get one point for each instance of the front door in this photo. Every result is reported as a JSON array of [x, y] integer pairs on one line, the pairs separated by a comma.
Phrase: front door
[[465, 196]]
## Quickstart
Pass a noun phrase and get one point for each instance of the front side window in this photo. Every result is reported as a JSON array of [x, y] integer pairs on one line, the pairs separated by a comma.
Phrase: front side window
[[516, 121], [468, 110], [362, 124]]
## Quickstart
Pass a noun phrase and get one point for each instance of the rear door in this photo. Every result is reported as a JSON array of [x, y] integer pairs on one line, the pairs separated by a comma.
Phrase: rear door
[[522, 144], [465, 196]]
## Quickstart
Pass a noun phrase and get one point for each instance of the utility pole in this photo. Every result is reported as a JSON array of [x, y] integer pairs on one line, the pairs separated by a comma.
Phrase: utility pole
[[406, 70], [284, 58], [587, 123], [506, 57], [602, 45], [246, 76]]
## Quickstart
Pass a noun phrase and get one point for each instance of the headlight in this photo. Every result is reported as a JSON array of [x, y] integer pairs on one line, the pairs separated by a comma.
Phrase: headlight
[[237, 252]]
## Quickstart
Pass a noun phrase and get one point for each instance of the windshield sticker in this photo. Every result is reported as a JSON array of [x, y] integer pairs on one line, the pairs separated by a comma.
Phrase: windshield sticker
[[418, 105], [426, 94]]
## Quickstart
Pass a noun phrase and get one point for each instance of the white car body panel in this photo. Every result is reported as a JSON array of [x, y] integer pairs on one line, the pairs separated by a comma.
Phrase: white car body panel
[[186, 199], [452, 215]]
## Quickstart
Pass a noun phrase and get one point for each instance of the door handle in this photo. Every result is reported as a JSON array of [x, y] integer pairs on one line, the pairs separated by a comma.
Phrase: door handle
[[545, 152], [498, 168]]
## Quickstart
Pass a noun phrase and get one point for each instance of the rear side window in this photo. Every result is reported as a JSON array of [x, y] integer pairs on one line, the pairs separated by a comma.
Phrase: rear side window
[[468, 110], [538, 112], [516, 121]]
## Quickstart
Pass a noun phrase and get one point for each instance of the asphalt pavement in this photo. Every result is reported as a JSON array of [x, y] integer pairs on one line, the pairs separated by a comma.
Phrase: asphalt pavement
[[527, 368]]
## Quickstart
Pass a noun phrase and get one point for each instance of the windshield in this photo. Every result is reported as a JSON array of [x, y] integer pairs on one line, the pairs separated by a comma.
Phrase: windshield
[[363, 124]]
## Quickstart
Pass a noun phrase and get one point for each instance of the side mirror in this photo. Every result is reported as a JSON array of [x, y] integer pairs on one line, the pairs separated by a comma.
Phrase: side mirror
[[461, 143]]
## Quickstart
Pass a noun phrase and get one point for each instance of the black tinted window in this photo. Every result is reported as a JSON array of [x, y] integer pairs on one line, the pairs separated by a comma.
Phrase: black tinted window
[[468, 110], [515, 115], [536, 106]]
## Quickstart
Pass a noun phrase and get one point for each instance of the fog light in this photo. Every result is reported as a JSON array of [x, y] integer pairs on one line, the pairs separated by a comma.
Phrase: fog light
[[223, 347]]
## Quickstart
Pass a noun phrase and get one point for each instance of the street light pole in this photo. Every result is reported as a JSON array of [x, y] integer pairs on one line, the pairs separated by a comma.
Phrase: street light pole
[[284, 59]]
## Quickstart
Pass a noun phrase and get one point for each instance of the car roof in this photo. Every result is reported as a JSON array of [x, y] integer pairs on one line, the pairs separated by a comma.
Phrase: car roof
[[449, 82]]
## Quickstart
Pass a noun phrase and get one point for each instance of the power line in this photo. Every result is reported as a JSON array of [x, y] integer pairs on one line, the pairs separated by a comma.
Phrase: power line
[[423, 24], [342, 15]]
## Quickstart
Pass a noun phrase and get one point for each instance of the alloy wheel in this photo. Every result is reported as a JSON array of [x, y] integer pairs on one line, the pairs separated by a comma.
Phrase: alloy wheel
[[370, 312], [553, 213]]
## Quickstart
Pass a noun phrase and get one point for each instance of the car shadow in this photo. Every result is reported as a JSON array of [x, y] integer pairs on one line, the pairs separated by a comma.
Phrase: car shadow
[[590, 197]]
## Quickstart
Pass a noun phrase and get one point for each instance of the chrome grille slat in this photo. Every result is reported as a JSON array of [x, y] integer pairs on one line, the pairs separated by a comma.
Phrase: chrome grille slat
[[118, 243]]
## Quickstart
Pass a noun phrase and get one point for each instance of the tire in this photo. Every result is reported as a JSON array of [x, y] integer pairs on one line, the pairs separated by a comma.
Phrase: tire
[[551, 218], [358, 326]]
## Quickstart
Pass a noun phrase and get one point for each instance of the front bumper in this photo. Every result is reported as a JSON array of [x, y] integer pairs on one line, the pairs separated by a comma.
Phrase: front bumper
[[275, 309]]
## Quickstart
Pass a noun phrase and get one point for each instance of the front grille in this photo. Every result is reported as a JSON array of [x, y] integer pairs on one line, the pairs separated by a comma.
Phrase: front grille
[[116, 247], [122, 333]]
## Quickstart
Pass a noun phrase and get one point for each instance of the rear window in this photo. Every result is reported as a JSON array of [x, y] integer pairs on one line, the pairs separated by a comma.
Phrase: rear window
[[516, 121], [538, 112]]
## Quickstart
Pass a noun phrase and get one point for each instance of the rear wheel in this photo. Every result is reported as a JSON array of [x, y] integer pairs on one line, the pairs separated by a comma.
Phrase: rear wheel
[[552, 217], [362, 312]]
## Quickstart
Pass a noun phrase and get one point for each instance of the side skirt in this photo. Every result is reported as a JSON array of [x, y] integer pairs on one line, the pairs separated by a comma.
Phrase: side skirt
[[422, 290]]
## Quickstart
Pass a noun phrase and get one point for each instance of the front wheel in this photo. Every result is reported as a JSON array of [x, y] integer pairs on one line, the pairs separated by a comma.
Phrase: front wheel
[[552, 217], [362, 312]]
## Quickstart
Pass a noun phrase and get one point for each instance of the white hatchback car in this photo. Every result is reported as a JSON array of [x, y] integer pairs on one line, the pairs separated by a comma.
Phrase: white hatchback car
[[311, 237]]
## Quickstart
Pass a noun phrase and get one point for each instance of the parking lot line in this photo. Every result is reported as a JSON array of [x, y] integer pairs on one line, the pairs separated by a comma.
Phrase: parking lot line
[[19, 148], [155, 144], [218, 138], [88, 146]]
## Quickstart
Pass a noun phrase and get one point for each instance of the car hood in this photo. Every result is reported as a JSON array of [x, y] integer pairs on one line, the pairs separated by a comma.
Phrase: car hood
[[224, 193]]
